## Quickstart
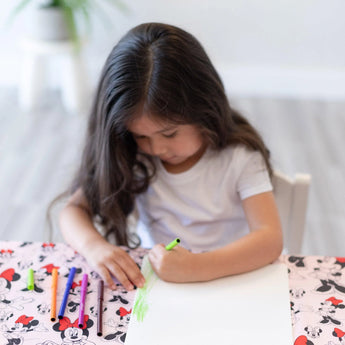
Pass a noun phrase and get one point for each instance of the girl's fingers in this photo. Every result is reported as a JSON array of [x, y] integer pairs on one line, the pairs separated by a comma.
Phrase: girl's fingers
[[120, 275], [121, 266], [157, 253], [109, 270], [136, 277], [131, 270], [104, 273]]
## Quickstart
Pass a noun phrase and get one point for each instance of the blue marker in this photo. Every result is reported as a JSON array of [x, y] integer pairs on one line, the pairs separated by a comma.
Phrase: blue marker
[[65, 296]]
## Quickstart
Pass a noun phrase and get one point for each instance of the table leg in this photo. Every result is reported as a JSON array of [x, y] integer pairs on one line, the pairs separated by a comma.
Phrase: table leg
[[74, 84], [32, 81]]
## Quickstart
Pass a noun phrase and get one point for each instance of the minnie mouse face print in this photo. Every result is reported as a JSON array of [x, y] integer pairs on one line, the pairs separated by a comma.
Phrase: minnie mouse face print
[[70, 333]]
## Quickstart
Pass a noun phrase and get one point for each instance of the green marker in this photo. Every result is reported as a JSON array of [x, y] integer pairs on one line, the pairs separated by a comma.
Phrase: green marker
[[172, 244], [31, 283]]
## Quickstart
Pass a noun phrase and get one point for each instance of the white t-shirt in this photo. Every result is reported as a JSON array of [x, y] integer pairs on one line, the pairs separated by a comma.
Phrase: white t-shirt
[[202, 206]]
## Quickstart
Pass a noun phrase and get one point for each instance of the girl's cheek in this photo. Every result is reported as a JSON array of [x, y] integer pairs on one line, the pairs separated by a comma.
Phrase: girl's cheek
[[145, 147]]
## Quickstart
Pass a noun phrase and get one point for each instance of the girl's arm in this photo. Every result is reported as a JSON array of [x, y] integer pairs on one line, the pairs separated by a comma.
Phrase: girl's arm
[[109, 260], [260, 247]]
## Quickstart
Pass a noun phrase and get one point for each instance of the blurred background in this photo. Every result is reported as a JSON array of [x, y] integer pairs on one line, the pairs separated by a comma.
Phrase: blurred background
[[282, 63]]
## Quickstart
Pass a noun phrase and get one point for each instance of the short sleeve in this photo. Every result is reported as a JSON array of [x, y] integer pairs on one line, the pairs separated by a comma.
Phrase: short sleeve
[[254, 178]]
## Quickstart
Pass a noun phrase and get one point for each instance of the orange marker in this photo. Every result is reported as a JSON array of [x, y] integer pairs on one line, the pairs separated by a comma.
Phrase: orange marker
[[54, 288]]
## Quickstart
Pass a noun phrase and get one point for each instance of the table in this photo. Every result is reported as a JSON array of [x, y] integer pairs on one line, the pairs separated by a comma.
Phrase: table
[[316, 283]]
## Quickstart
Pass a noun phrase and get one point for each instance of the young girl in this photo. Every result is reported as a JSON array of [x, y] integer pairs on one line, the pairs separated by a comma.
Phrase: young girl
[[163, 140]]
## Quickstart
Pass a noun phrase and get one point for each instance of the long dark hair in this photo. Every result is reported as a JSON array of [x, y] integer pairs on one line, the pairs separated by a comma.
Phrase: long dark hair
[[164, 70]]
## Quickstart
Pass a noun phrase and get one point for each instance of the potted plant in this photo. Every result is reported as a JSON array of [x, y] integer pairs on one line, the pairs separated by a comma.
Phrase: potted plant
[[60, 19]]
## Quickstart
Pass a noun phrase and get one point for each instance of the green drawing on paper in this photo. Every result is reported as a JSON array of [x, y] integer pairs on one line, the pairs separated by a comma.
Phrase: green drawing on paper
[[141, 305]]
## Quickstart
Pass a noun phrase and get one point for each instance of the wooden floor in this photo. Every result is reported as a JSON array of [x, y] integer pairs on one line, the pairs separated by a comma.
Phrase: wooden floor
[[39, 152]]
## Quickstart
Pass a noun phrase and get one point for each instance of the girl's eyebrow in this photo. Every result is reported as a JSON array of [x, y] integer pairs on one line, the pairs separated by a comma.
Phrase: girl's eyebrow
[[168, 128]]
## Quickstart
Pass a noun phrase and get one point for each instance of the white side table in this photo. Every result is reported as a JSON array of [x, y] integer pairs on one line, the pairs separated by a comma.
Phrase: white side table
[[72, 74]]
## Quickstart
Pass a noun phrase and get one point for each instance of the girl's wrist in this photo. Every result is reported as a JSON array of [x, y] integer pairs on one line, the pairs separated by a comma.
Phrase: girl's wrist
[[202, 267], [197, 267], [92, 242]]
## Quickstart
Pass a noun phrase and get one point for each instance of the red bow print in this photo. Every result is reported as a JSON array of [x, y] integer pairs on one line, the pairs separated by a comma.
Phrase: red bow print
[[8, 274], [342, 260], [45, 245], [50, 267], [74, 284], [339, 332], [334, 300], [4, 251], [124, 312], [302, 340], [66, 323], [24, 319]]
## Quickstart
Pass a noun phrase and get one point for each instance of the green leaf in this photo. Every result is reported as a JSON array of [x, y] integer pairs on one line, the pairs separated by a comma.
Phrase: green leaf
[[87, 19], [17, 10], [71, 26], [71, 8]]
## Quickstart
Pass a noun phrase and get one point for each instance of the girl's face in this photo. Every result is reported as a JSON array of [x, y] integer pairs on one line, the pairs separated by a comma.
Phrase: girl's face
[[179, 147]]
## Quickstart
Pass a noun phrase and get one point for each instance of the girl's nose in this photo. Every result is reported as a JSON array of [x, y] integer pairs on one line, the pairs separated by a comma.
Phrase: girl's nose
[[157, 148]]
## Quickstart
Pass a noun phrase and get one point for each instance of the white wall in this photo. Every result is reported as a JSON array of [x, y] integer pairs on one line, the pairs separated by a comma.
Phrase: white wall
[[288, 48]]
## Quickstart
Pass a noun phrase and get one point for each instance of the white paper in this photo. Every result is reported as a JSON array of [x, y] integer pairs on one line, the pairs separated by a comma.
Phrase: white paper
[[251, 308]]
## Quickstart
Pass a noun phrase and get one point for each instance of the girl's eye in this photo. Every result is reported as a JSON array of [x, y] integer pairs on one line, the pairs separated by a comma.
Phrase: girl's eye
[[170, 135]]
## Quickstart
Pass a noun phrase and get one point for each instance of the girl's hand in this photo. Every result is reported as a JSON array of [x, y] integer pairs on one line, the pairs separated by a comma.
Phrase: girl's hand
[[174, 265], [110, 260]]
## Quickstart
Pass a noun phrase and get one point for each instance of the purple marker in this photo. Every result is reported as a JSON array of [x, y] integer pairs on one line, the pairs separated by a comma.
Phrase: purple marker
[[82, 301]]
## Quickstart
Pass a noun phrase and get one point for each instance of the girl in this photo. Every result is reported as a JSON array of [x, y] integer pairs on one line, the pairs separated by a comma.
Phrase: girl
[[163, 140]]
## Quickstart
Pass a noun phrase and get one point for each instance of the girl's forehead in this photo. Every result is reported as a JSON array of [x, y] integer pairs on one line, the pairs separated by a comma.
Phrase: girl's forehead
[[147, 122]]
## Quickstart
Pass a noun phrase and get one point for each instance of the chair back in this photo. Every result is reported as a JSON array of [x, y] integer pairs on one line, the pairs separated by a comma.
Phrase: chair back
[[291, 196]]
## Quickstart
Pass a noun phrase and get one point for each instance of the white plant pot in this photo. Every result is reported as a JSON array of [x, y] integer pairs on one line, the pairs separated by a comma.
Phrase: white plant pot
[[48, 24]]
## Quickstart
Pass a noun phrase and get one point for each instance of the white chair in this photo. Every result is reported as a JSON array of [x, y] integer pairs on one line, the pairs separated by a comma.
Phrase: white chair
[[291, 196]]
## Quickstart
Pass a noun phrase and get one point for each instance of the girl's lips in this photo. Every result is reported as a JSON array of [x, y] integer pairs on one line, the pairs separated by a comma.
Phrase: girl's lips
[[167, 159]]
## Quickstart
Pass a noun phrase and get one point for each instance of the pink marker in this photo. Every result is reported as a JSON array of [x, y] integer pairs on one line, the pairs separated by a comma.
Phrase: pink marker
[[82, 301]]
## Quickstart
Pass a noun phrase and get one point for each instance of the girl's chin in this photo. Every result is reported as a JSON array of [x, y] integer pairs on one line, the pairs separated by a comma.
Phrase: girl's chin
[[172, 160]]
